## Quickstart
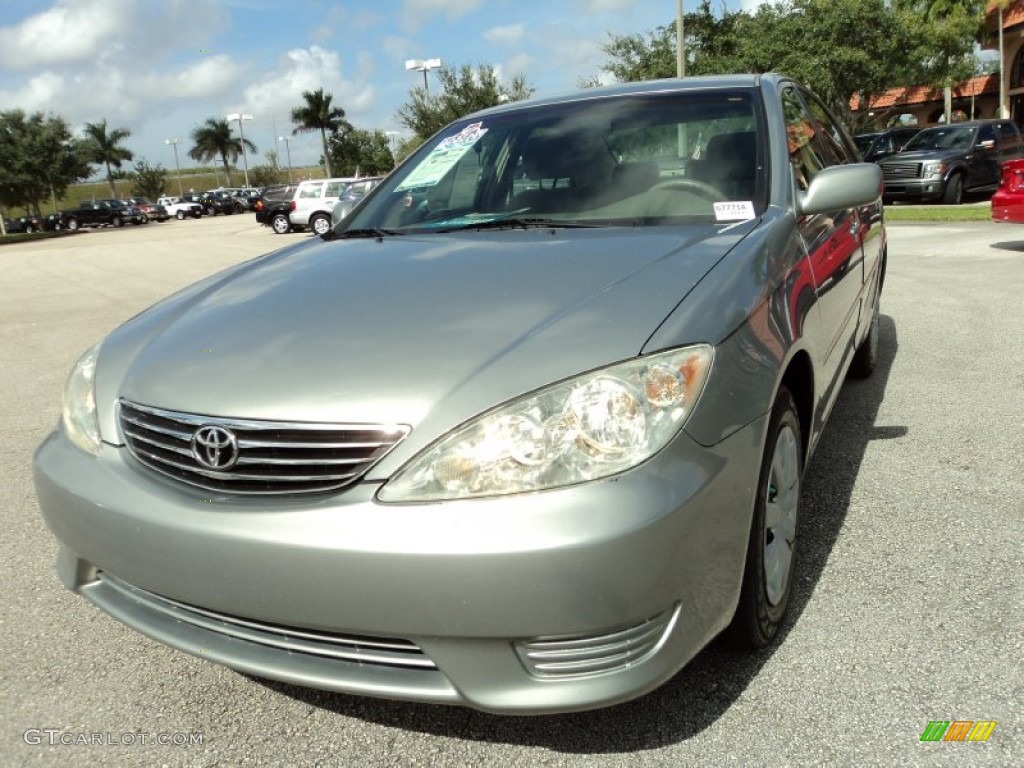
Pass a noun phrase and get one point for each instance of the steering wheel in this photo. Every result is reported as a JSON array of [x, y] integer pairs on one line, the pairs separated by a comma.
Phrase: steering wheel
[[703, 189]]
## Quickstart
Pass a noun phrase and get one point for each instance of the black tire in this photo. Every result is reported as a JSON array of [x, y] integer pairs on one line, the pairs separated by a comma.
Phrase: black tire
[[116, 222], [771, 546], [280, 224], [954, 192], [320, 224], [211, 211], [180, 215], [866, 357], [144, 219]]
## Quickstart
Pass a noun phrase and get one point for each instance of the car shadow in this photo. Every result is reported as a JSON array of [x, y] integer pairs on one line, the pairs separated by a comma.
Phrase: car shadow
[[708, 686], [1017, 245]]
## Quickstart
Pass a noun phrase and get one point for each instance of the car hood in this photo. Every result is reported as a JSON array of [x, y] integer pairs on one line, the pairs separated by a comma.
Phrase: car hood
[[425, 331]]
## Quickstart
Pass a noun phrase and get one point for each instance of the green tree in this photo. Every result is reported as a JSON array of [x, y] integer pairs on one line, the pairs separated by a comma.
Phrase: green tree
[[39, 159], [841, 48], [149, 180], [105, 148], [367, 153], [267, 173], [213, 140], [319, 114], [463, 91]]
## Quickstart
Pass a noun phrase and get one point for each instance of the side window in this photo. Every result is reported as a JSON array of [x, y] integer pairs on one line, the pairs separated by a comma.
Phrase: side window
[[805, 153], [310, 192], [334, 188], [986, 133], [831, 134]]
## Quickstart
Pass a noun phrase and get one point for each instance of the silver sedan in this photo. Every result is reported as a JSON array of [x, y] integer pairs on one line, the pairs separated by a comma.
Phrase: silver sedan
[[523, 432]]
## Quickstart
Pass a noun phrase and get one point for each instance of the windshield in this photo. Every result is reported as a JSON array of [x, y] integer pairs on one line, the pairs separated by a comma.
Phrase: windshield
[[865, 140], [946, 137], [632, 160]]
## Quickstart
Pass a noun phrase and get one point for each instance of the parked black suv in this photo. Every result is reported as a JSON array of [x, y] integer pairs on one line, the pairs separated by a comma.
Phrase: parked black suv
[[274, 205], [874, 146], [212, 202], [944, 162]]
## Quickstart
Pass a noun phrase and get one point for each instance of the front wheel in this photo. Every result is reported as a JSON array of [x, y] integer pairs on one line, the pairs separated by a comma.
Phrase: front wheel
[[211, 211], [954, 193], [321, 224], [768, 575], [73, 224], [180, 215], [280, 224], [116, 222]]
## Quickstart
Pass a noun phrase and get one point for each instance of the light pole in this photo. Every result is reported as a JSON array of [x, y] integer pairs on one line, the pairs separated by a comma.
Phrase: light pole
[[174, 143], [288, 149], [245, 161], [424, 66]]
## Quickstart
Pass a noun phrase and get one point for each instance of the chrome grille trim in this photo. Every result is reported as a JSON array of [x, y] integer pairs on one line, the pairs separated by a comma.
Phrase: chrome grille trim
[[274, 457], [385, 651], [901, 170], [576, 656]]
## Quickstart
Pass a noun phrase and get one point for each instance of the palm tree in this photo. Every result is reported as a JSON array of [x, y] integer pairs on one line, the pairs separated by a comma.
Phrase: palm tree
[[105, 148], [213, 139], [317, 114]]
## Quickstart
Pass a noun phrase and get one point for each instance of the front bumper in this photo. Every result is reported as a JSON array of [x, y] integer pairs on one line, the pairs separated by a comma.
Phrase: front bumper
[[917, 189], [476, 591]]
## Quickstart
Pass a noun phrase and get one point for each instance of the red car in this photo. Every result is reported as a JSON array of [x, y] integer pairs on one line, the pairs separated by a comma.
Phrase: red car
[[1008, 201]]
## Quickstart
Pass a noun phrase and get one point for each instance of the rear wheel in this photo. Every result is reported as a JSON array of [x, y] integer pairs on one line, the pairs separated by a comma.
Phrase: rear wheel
[[320, 224], [280, 224], [211, 211], [866, 357], [768, 576], [954, 192], [72, 224]]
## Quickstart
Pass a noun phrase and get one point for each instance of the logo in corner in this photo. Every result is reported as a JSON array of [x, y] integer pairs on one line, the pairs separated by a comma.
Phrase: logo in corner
[[215, 447]]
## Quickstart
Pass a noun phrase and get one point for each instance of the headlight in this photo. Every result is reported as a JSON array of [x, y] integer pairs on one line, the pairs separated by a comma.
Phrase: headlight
[[934, 168], [588, 427], [79, 412]]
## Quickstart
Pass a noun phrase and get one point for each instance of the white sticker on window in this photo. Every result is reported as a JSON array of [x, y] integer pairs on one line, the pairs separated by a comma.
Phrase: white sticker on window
[[442, 158], [738, 210]]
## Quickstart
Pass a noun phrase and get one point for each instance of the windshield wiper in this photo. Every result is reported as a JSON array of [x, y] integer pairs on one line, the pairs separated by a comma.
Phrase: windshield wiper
[[520, 223], [368, 232]]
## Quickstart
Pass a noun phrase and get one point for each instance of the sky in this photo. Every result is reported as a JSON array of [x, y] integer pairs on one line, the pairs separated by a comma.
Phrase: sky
[[159, 68]]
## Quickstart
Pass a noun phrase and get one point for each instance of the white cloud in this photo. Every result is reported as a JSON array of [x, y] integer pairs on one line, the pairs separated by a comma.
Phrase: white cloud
[[212, 76], [751, 6], [71, 31], [607, 6], [510, 34]]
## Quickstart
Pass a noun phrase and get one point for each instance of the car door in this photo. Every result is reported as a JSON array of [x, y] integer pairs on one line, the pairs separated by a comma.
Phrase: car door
[[833, 240], [984, 157]]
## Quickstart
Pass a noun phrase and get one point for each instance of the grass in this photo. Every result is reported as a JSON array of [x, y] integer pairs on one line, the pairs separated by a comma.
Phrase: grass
[[977, 212]]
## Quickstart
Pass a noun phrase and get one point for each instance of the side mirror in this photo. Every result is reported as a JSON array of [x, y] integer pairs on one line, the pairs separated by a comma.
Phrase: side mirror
[[841, 186], [987, 144]]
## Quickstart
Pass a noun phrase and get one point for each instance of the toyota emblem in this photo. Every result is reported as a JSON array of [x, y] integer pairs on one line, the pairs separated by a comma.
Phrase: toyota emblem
[[215, 447]]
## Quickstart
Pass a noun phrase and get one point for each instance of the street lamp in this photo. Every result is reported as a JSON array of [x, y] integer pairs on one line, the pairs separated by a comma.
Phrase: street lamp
[[174, 143], [424, 66], [288, 149], [245, 161]]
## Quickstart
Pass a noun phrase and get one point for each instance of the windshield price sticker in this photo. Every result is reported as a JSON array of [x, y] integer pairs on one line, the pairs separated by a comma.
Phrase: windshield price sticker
[[443, 157], [739, 210]]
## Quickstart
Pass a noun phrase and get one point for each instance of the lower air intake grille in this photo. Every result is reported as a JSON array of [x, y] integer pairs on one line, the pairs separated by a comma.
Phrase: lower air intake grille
[[594, 654]]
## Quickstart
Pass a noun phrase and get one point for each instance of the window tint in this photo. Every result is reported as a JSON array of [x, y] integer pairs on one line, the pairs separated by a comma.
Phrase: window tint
[[311, 191], [805, 152], [986, 133]]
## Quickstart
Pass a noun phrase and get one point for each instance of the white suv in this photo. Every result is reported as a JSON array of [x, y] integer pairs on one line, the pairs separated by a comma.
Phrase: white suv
[[314, 201]]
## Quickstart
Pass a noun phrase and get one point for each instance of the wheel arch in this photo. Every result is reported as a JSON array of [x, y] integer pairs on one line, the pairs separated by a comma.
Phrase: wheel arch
[[798, 378]]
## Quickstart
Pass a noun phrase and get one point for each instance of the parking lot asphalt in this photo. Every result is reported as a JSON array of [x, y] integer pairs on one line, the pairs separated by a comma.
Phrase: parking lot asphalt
[[908, 605]]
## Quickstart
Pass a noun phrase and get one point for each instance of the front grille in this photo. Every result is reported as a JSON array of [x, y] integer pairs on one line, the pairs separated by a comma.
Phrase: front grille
[[901, 170], [594, 654], [383, 651], [268, 457]]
